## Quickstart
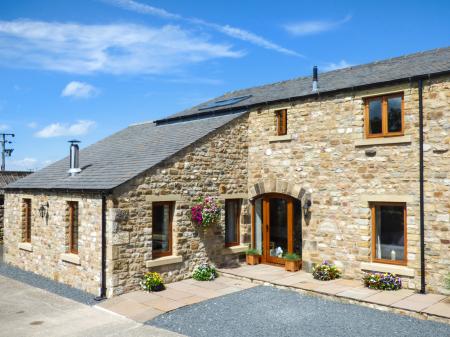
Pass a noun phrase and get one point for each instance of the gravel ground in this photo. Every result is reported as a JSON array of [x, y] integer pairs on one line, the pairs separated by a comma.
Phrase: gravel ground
[[267, 311], [46, 284]]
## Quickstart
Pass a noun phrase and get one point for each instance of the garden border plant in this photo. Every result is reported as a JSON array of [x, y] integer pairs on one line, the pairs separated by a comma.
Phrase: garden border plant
[[382, 281], [152, 281], [326, 271], [205, 272]]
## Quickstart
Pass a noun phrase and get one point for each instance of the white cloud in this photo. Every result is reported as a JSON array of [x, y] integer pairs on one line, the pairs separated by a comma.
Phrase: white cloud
[[234, 32], [58, 129], [79, 90], [335, 66], [111, 48], [32, 125], [4, 127], [22, 164], [314, 27]]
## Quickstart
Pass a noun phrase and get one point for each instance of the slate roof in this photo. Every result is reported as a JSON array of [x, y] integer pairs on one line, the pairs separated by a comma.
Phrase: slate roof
[[7, 177], [122, 156], [426, 63]]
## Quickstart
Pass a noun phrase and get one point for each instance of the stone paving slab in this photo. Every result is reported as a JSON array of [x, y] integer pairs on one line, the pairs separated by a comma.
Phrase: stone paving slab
[[142, 306], [404, 299]]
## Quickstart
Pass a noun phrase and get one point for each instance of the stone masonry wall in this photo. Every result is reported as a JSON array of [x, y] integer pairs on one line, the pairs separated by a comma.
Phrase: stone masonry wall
[[1, 217], [323, 159], [214, 166], [46, 255]]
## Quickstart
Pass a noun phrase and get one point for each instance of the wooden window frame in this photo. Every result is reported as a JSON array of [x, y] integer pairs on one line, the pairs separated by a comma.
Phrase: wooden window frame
[[26, 220], [237, 223], [373, 206], [171, 209], [73, 246], [384, 116], [281, 122]]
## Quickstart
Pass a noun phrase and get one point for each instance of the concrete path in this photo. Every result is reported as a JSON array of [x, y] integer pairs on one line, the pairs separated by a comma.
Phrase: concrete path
[[405, 300], [271, 312], [28, 311], [142, 306]]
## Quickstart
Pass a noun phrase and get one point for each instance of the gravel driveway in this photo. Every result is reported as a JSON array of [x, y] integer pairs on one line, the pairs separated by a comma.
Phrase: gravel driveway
[[267, 311]]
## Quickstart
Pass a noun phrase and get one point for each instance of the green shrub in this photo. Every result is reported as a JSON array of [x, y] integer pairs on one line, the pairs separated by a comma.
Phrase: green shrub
[[204, 272], [326, 272], [252, 251], [380, 281], [152, 281], [292, 257]]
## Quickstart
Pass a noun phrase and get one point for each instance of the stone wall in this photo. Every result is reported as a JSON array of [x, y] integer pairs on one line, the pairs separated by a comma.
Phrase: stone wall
[[325, 157], [214, 166], [46, 254], [1, 217]]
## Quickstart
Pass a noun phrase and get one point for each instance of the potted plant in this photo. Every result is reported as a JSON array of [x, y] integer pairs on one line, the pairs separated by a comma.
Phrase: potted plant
[[206, 212], [382, 281], [252, 256], [293, 262], [326, 272], [152, 281]]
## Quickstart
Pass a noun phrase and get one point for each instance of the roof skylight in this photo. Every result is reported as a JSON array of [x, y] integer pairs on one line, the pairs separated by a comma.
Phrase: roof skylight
[[225, 102]]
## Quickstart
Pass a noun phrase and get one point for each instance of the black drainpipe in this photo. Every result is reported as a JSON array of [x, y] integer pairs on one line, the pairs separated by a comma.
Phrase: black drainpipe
[[422, 211], [103, 272]]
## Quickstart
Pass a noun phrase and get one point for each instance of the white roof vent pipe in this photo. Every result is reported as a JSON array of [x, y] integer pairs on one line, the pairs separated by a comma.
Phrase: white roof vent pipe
[[315, 83], [74, 158]]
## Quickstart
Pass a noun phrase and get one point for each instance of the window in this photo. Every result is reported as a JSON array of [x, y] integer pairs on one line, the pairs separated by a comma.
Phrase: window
[[384, 116], [281, 122], [26, 220], [232, 221], [162, 228], [389, 233], [73, 227]]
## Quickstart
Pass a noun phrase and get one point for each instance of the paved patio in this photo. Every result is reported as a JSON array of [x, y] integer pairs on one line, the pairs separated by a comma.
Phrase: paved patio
[[142, 306], [405, 299]]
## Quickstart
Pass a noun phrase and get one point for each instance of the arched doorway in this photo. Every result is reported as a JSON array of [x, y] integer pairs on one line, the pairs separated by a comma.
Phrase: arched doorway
[[276, 226]]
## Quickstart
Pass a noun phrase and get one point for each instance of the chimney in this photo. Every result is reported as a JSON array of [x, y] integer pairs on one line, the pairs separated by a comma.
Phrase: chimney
[[315, 83], [74, 158]]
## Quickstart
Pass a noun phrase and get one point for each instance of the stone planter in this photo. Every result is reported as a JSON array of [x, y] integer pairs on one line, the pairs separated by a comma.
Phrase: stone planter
[[253, 259], [292, 265]]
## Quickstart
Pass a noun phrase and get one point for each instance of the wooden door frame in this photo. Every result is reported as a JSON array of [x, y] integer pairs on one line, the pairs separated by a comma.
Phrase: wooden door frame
[[265, 257]]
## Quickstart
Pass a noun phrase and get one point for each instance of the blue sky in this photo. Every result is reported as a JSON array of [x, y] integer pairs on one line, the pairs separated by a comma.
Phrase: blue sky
[[85, 69]]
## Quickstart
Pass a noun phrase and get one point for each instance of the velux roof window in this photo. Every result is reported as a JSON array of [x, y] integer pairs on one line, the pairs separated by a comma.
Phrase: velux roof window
[[225, 102]]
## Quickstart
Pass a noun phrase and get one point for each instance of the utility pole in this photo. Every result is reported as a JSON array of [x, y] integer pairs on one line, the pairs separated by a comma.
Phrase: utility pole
[[5, 152]]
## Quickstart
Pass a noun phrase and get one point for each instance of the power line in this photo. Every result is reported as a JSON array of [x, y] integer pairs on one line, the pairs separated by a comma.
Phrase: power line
[[5, 152]]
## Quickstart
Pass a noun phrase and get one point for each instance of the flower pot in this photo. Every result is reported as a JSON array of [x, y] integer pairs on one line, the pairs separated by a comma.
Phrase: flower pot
[[159, 287], [292, 265], [253, 259]]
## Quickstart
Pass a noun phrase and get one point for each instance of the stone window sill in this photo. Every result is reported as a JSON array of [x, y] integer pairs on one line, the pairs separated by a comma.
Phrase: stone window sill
[[383, 141], [27, 246], [71, 258], [235, 249], [387, 268], [165, 260], [284, 138]]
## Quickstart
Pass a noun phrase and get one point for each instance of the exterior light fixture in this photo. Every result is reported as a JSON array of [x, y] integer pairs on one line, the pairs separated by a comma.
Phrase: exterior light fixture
[[306, 207], [43, 210]]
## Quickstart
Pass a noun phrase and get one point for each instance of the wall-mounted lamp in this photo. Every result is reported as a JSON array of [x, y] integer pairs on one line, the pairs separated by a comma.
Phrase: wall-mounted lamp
[[306, 207], [43, 210]]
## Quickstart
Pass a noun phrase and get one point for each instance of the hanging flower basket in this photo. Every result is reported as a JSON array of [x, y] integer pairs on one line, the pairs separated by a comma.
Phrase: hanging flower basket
[[206, 211]]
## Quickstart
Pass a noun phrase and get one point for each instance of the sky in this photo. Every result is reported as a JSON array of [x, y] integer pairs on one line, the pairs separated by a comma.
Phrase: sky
[[88, 68]]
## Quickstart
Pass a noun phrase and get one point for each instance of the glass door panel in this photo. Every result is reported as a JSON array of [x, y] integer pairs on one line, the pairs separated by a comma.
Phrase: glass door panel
[[258, 224], [278, 229]]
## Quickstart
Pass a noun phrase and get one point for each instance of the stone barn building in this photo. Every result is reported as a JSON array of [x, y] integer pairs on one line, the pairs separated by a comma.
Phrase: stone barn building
[[351, 167]]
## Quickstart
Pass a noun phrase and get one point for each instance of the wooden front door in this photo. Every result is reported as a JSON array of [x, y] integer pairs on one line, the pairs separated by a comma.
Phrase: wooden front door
[[273, 226]]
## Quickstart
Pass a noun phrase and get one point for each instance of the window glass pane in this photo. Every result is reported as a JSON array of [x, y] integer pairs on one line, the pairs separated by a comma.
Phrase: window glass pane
[[389, 233], [74, 227], [258, 224], [161, 226], [297, 227], [232, 221], [394, 114], [375, 122]]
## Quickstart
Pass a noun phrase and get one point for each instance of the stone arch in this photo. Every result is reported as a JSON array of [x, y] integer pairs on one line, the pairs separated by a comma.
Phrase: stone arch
[[277, 186]]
